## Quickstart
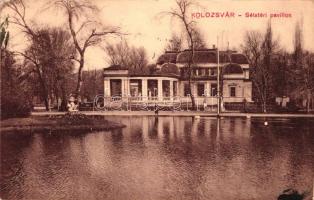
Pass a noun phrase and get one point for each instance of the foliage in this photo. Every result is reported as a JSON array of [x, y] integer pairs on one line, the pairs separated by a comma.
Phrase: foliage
[[15, 100], [92, 84], [48, 61]]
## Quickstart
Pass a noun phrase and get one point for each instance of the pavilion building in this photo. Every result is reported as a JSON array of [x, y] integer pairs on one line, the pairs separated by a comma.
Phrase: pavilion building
[[170, 79]]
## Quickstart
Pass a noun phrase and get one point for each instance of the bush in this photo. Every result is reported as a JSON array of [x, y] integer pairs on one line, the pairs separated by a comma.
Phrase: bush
[[14, 107]]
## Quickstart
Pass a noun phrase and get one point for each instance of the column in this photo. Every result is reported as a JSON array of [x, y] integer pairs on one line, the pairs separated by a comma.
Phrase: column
[[159, 89], [207, 88], [144, 89], [107, 87], [171, 89], [123, 87]]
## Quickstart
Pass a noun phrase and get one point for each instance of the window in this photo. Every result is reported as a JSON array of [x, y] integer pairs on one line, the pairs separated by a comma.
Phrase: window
[[115, 87], [202, 72], [152, 86], [200, 89], [212, 72], [166, 88], [186, 89], [213, 89], [206, 72], [135, 88], [184, 72], [232, 91]]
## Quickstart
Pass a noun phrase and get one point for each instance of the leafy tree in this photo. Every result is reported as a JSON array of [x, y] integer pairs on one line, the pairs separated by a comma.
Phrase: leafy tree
[[49, 57], [15, 99]]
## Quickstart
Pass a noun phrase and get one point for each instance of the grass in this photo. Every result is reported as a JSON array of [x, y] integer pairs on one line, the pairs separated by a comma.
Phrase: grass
[[65, 122]]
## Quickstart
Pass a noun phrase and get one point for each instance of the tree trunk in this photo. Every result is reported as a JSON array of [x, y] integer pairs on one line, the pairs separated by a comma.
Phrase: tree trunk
[[44, 88], [79, 78], [308, 101], [63, 106], [191, 94], [264, 106], [46, 101], [190, 65]]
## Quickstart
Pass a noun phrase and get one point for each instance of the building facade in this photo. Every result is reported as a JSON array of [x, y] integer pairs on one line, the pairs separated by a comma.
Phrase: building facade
[[170, 79]]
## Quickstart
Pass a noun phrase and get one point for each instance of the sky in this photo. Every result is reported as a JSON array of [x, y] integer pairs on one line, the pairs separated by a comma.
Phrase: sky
[[145, 26]]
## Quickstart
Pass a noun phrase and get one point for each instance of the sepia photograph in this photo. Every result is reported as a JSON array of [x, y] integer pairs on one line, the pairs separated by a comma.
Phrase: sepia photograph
[[157, 99]]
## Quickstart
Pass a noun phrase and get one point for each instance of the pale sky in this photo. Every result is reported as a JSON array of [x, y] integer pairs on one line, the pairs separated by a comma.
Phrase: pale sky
[[139, 18]]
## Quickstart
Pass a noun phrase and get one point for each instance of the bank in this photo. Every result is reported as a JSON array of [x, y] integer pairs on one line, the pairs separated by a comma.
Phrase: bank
[[179, 114], [57, 123]]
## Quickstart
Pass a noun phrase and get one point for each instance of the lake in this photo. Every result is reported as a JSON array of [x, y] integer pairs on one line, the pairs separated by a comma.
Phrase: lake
[[162, 158]]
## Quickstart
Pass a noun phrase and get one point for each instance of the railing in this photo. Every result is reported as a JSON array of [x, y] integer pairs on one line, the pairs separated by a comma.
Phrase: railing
[[171, 103]]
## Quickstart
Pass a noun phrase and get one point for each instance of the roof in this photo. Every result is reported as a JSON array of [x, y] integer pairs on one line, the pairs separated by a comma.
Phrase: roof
[[169, 69], [167, 57], [233, 68], [202, 56], [116, 67], [239, 58]]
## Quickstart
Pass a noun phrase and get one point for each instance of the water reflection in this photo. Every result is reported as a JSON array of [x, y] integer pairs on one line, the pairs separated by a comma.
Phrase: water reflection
[[162, 158]]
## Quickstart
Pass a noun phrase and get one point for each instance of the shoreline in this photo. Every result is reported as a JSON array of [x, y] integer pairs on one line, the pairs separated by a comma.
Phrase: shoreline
[[178, 113], [44, 123]]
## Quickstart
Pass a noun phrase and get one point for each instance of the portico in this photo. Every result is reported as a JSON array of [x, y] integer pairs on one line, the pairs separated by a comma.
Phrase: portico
[[146, 88]]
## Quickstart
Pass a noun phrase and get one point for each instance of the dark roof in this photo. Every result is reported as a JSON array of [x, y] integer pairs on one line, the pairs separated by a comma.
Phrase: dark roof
[[167, 57], [202, 56], [116, 67], [233, 68], [239, 58], [169, 68]]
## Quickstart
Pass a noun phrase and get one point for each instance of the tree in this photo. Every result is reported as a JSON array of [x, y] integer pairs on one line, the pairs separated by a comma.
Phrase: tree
[[92, 84], [49, 58], [199, 41], [133, 58], [83, 30], [14, 99], [303, 69], [19, 19], [260, 54], [181, 12], [174, 44]]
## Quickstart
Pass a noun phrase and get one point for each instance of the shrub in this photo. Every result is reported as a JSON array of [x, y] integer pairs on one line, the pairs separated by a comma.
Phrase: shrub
[[14, 106]]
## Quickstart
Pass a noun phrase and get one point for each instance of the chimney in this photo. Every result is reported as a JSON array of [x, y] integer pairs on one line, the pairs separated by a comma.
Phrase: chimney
[[214, 47]]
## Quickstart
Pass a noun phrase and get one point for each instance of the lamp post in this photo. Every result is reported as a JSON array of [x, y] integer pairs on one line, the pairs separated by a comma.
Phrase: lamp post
[[218, 80]]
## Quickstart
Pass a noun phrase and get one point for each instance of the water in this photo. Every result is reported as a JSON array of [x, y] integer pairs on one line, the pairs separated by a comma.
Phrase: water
[[162, 158]]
